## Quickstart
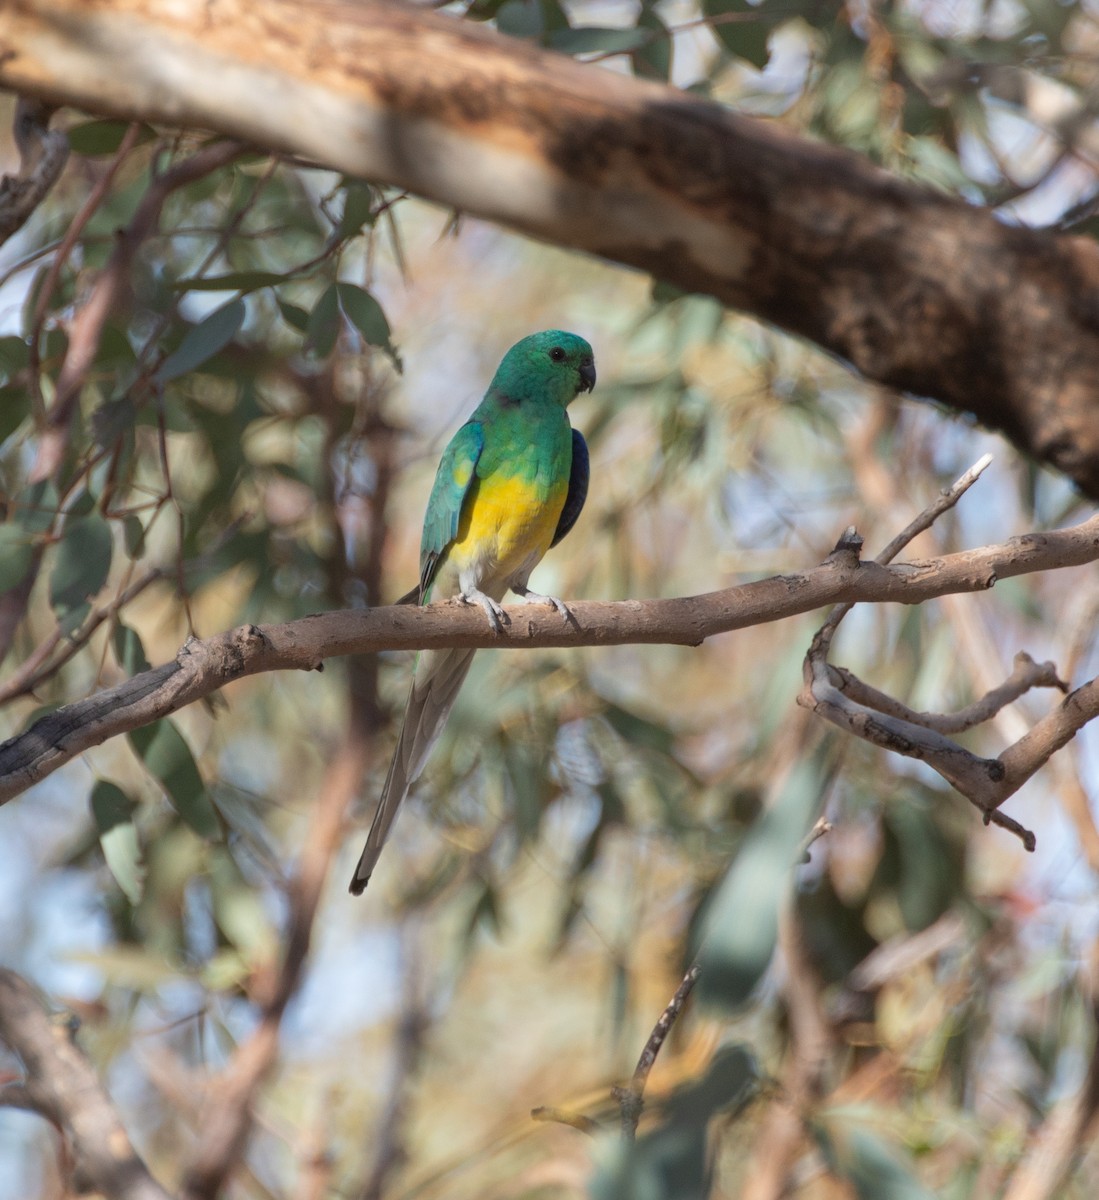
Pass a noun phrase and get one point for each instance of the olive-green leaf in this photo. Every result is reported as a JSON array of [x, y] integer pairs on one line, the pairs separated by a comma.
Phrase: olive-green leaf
[[232, 281], [15, 556], [82, 564], [324, 323], [294, 315], [740, 926], [358, 209], [95, 138], [129, 650], [364, 312], [113, 812], [593, 39], [201, 343], [168, 759], [876, 1172], [746, 34]]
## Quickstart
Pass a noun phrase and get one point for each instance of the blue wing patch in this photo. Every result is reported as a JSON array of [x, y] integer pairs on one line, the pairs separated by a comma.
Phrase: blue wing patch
[[578, 487], [444, 506]]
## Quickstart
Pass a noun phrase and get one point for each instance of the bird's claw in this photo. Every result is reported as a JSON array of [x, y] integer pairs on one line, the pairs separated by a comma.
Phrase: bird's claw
[[529, 597], [497, 618]]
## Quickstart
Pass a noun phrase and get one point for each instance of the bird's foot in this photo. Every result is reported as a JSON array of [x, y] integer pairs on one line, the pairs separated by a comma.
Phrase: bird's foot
[[497, 618], [529, 597]]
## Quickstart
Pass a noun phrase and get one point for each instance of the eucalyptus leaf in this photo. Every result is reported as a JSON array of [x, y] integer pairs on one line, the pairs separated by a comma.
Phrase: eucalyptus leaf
[[82, 564], [201, 343], [740, 926], [113, 812], [323, 327], [167, 757]]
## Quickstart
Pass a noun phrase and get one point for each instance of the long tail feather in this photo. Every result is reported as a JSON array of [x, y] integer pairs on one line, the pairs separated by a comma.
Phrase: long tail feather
[[435, 685]]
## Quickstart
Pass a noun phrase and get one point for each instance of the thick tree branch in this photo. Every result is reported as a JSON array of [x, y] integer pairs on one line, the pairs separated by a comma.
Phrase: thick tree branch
[[918, 290], [42, 157], [203, 667], [62, 1085]]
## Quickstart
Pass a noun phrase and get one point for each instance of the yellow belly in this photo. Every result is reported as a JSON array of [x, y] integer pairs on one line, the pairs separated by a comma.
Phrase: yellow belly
[[505, 524]]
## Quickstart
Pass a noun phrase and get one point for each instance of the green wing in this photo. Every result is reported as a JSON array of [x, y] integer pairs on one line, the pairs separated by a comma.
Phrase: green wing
[[444, 507]]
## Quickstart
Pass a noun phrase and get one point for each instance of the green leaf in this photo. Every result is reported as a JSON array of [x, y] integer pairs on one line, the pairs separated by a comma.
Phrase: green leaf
[[530, 18], [653, 59], [37, 506], [202, 342], [358, 209], [323, 327], [672, 1159], [239, 910], [168, 759], [95, 138], [134, 533], [746, 37], [15, 407], [15, 556], [14, 355], [365, 313], [82, 564], [593, 39], [129, 650], [295, 316], [113, 812], [740, 925], [875, 1171], [232, 281]]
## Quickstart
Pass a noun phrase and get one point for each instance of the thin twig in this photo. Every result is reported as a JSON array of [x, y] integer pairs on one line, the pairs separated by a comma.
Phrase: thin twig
[[631, 1096]]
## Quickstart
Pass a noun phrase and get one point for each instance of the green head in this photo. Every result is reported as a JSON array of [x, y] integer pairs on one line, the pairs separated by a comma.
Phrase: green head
[[550, 366]]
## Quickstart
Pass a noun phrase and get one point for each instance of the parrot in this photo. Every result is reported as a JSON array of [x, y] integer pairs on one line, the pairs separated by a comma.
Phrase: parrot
[[511, 483]]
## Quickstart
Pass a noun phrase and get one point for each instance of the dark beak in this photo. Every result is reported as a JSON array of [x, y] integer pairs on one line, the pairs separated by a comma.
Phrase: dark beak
[[587, 376]]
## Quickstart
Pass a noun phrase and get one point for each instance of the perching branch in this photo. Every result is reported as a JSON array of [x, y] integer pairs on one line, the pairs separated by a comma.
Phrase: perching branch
[[918, 290], [62, 1086], [204, 666]]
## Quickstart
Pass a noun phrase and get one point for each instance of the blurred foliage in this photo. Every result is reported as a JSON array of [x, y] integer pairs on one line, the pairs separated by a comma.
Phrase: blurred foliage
[[255, 440]]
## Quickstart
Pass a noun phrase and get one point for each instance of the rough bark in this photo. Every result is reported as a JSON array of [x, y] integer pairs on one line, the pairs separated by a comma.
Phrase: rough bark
[[916, 289]]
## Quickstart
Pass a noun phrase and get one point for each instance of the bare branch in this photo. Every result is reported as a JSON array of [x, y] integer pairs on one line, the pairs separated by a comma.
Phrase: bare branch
[[42, 157], [631, 1096], [203, 667], [62, 1085], [844, 700], [1025, 675]]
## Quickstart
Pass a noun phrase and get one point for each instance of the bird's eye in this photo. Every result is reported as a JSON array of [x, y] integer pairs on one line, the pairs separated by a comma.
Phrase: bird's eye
[[557, 354]]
